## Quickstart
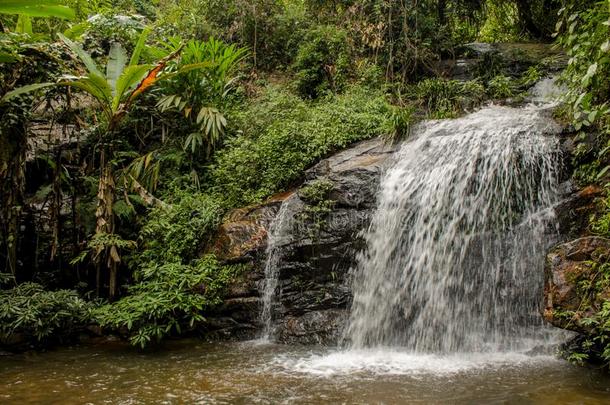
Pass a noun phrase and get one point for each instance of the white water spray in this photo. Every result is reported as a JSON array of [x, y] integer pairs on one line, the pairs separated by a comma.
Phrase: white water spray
[[455, 250], [279, 232]]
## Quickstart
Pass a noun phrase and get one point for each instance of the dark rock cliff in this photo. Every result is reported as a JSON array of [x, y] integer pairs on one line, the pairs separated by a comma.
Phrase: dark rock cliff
[[328, 212]]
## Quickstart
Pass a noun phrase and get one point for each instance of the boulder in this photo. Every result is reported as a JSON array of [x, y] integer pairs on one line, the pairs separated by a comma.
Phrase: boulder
[[571, 292], [511, 59], [243, 233]]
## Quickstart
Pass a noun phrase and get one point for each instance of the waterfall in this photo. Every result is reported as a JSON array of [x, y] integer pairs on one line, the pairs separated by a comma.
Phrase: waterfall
[[455, 250], [278, 235]]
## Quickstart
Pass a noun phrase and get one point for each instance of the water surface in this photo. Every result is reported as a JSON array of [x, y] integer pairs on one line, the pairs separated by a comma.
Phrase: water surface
[[190, 371]]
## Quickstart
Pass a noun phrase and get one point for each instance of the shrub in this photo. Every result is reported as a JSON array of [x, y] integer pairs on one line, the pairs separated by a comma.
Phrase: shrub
[[102, 30], [172, 286], [322, 62], [588, 72], [176, 233], [36, 316], [283, 135], [202, 94], [401, 121], [501, 87], [169, 298], [447, 98]]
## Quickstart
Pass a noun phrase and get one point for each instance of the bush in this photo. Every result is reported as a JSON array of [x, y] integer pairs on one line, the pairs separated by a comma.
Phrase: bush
[[447, 98], [172, 286], [583, 33], [322, 62], [104, 29], [283, 136], [270, 29], [501, 87], [401, 122], [169, 298], [178, 232], [29, 313], [588, 72]]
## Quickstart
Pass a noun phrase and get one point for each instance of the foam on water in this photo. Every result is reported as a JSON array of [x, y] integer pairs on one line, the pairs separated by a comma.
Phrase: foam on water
[[392, 362]]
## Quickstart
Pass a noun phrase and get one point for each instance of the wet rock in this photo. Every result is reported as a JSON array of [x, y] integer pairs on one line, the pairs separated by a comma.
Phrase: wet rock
[[569, 267], [316, 254], [511, 59], [312, 328], [244, 231], [574, 211]]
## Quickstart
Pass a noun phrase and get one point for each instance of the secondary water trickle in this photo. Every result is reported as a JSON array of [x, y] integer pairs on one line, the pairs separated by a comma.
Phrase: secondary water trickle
[[278, 234], [455, 250]]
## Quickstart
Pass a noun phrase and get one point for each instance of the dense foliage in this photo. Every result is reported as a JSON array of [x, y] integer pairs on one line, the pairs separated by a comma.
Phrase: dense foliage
[[584, 31], [282, 135], [129, 128], [30, 314]]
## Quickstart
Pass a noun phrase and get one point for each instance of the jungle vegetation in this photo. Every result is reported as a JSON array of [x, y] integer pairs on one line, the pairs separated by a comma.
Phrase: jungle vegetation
[[129, 128]]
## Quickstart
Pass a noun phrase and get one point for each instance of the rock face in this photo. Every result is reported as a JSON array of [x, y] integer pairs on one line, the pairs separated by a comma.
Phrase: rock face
[[511, 59], [327, 214], [570, 292]]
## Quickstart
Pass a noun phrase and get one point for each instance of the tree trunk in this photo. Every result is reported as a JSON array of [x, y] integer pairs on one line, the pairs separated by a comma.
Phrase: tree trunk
[[13, 146], [527, 19], [441, 9], [105, 222]]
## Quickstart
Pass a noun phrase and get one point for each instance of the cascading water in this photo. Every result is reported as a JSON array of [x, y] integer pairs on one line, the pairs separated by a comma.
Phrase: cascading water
[[278, 234], [455, 249]]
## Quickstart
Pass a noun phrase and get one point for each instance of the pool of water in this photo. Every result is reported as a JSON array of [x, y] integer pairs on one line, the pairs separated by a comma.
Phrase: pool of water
[[190, 371]]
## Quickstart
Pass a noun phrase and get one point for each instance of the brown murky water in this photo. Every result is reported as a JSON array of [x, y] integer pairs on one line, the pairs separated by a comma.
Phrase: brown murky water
[[244, 373]]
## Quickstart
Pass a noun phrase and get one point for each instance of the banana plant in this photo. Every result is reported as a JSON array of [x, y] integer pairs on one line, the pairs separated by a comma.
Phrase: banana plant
[[114, 88]]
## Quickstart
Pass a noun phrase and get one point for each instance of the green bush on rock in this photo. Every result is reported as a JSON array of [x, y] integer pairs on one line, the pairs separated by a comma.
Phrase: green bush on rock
[[30, 314], [447, 98], [284, 135]]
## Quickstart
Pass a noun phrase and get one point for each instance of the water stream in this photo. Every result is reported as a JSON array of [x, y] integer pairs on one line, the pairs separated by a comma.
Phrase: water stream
[[278, 234], [454, 258]]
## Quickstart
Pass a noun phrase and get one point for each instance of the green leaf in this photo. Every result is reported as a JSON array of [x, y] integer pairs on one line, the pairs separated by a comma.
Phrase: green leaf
[[590, 73], [24, 25], [194, 66], [117, 58], [129, 79], [76, 30], [95, 85], [135, 56], [37, 8], [24, 90], [603, 172], [84, 56], [8, 58]]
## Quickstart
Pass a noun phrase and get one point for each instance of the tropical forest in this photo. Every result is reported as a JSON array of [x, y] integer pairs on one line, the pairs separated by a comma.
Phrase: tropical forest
[[304, 201]]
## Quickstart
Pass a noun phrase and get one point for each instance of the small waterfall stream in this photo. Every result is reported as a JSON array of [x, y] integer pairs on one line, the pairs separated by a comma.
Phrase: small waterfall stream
[[455, 250], [278, 234]]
